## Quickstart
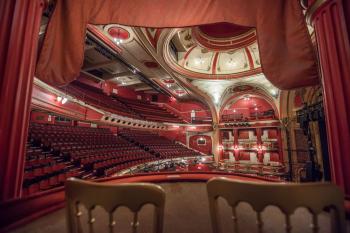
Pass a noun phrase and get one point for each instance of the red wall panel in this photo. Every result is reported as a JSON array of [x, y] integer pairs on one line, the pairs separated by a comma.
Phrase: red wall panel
[[243, 155], [206, 149], [186, 107], [243, 134], [272, 133], [177, 135], [274, 157]]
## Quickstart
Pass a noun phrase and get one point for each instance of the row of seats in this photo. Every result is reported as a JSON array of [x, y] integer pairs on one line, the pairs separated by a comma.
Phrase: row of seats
[[56, 152], [157, 145], [150, 111], [138, 109]]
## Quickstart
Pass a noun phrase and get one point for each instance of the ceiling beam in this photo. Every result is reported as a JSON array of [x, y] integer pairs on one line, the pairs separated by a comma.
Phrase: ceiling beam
[[143, 88], [91, 75], [88, 47], [98, 65], [121, 74]]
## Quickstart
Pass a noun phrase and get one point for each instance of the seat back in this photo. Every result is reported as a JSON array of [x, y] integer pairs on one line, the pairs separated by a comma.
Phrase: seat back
[[316, 197], [110, 197]]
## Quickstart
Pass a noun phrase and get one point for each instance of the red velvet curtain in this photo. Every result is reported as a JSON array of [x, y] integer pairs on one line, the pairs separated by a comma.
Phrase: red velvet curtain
[[286, 51]]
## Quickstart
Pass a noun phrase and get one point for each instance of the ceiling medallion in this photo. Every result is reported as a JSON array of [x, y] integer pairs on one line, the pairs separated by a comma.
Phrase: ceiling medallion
[[118, 33]]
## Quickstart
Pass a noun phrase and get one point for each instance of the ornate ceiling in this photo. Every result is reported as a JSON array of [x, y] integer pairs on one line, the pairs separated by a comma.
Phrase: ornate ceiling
[[192, 53], [203, 63]]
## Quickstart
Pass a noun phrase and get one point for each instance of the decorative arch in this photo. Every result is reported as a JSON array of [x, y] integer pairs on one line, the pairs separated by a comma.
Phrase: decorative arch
[[253, 93]]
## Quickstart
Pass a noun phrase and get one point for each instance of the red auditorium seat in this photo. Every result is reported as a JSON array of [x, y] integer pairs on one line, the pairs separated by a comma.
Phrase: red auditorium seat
[[56, 152]]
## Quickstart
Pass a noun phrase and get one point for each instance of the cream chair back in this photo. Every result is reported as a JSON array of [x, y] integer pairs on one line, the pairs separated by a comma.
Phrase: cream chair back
[[288, 197], [110, 197]]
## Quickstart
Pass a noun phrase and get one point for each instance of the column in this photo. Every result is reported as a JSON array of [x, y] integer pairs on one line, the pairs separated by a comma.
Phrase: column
[[327, 16], [235, 143], [19, 33], [280, 146], [216, 144], [260, 154]]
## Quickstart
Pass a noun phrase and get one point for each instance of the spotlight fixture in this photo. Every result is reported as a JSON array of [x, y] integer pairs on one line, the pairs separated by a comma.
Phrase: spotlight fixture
[[64, 100], [61, 99]]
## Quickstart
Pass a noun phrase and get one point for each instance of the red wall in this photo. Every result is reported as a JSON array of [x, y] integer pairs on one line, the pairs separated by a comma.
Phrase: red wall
[[122, 91], [177, 135], [186, 107], [206, 149], [84, 79], [108, 87], [83, 124], [44, 100], [272, 133], [244, 134]]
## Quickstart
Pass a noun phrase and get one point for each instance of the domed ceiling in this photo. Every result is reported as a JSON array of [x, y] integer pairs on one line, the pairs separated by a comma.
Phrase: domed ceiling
[[217, 51]]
